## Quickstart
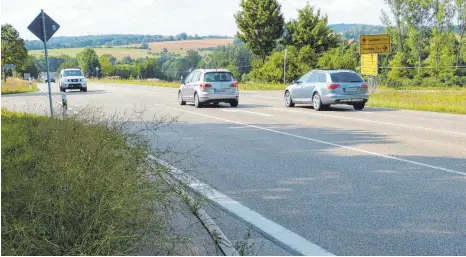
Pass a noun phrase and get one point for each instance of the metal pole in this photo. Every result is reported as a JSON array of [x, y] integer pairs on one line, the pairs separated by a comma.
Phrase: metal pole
[[47, 62], [284, 68]]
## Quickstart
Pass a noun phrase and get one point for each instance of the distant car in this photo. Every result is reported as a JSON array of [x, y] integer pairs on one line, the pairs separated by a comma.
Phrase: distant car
[[52, 79], [72, 79], [209, 86], [322, 88]]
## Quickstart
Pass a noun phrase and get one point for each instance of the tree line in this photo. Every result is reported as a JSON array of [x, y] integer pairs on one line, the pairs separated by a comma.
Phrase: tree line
[[428, 39], [110, 40]]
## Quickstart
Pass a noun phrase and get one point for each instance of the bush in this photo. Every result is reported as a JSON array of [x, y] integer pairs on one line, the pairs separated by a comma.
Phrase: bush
[[75, 189]]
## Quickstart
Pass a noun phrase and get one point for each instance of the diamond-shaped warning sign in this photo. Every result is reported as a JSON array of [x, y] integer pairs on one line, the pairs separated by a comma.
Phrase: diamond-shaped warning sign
[[36, 27], [207, 59]]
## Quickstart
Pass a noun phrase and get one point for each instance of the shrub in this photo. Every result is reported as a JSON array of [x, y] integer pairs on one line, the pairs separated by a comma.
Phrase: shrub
[[74, 189]]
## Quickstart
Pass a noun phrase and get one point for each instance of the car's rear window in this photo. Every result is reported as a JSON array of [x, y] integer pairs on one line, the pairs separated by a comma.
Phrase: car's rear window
[[69, 73], [340, 77], [218, 77]]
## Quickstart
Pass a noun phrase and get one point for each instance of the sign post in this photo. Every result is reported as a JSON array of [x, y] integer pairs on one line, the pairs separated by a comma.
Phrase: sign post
[[97, 72], [44, 28], [284, 67]]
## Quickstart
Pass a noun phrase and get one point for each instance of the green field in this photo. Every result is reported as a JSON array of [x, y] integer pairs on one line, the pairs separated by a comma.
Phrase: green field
[[16, 85]]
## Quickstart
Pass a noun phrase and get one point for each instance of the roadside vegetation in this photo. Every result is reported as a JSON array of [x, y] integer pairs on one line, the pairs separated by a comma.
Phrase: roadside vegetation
[[16, 85], [78, 186], [449, 101]]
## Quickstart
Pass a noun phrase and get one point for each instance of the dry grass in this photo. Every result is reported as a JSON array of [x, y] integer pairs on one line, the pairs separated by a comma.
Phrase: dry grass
[[80, 193], [189, 44], [16, 85]]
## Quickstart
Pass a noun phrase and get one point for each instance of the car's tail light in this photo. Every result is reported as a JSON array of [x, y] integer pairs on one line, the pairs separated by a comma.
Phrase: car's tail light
[[205, 85], [364, 85], [333, 86], [234, 84]]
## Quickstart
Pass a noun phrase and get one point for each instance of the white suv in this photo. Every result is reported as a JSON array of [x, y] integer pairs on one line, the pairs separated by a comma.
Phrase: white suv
[[72, 79]]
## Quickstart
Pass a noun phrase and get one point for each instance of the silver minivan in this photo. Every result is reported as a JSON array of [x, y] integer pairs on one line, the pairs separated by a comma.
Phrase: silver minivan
[[321, 88], [209, 86]]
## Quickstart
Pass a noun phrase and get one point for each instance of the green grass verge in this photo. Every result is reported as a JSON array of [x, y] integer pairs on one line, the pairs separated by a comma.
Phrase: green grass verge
[[449, 101], [74, 189], [15, 85]]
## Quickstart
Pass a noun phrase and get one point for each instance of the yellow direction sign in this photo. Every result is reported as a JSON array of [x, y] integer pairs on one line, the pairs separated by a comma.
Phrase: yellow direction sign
[[374, 44], [369, 64]]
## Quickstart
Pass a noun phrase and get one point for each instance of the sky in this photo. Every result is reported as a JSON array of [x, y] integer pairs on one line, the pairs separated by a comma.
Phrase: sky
[[166, 17]]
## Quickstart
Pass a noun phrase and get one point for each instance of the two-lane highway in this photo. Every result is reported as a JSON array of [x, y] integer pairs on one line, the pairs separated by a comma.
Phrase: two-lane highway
[[373, 182]]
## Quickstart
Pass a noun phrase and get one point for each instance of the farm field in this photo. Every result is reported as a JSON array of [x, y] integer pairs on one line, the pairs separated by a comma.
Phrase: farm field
[[155, 47]]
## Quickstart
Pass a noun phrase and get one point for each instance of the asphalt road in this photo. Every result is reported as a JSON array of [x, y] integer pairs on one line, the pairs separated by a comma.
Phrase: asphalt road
[[373, 182]]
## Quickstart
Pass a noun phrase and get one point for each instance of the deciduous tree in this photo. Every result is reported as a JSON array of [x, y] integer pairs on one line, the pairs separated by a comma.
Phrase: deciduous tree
[[260, 24]]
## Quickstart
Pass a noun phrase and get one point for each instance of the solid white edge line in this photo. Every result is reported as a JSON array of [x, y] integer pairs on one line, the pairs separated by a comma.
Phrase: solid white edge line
[[220, 239], [274, 232], [325, 142]]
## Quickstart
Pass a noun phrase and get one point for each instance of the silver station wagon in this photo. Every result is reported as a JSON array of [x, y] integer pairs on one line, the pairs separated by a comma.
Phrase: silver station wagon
[[209, 86], [322, 88]]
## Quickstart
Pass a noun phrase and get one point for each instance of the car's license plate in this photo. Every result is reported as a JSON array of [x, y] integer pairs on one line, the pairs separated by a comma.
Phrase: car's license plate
[[352, 89]]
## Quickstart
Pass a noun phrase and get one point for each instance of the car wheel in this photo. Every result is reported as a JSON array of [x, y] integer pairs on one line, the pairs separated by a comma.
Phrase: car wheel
[[317, 102], [196, 101], [359, 106], [288, 100], [180, 99], [234, 103]]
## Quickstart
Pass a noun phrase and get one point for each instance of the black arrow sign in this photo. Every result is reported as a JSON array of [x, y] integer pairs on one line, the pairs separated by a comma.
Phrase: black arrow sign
[[364, 40], [385, 48]]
